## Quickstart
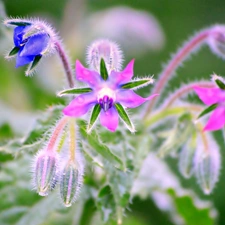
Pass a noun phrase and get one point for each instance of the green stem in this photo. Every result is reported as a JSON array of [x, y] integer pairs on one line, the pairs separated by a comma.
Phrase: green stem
[[168, 112]]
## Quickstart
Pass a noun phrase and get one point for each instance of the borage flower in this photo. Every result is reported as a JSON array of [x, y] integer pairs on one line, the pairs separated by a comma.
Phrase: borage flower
[[215, 99], [32, 40], [107, 94]]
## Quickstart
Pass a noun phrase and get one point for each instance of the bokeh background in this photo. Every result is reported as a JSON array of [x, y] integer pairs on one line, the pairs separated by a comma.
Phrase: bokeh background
[[178, 20]]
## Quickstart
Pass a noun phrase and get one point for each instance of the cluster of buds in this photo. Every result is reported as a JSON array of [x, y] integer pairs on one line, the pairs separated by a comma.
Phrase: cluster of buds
[[60, 164]]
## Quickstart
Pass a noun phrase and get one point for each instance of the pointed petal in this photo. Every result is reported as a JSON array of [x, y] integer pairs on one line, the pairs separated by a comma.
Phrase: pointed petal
[[216, 120], [109, 119], [88, 76], [35, 45], [23, 60], [18, 35], [130, 99], [80, 105], [124, 76], [208, 95]]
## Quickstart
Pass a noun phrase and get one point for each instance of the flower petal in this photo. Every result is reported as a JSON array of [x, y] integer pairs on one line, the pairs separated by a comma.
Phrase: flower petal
[[208, 95], [110, 119], [18, 35], [124, 76], [35, 45], [130, 99], [80, 105], [88, 76], [216, 120], [23, 60]]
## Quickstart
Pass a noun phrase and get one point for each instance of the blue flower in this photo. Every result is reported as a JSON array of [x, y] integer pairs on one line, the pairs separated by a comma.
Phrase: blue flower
[[32, 39], [29, 47]]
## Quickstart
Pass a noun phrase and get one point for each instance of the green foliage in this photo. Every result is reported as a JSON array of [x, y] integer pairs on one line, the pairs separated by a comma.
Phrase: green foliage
[[103, 70]]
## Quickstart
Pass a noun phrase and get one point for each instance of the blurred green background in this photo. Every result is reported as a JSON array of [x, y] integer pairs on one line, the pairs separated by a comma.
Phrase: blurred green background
[[179, 21]]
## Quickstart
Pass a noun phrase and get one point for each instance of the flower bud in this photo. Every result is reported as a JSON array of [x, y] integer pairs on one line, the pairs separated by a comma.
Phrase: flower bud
[[207, 165], [106, 50], [186, 159], [216, 41], [45, 172], [70, 182]]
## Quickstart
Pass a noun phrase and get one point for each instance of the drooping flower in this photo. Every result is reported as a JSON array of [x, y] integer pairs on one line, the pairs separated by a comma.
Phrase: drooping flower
[[32, 39], [215, 99], [107, 94]]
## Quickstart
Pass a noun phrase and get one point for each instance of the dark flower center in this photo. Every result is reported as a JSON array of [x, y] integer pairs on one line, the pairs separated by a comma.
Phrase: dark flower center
[[105, 102]]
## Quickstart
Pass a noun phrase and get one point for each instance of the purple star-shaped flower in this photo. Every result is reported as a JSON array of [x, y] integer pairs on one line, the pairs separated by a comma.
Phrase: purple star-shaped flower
[[212, 96], [109, 96]]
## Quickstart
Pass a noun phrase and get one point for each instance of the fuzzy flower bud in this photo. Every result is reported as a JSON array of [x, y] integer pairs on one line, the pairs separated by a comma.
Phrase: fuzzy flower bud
[[186, 159], [32, 39], [207, 164], [70, 182], [107, 50], [216, 41], [45, 172]]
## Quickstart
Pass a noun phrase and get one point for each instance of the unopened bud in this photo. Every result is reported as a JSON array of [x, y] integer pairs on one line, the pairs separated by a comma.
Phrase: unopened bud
[[106, 50], [45, 172], [186, 159], [70, 183], [207, 165], [216, 41]]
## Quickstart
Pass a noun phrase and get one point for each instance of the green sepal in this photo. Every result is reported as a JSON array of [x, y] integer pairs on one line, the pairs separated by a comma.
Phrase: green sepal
[[33, 64], [124, 116], [14, 51], [220, 84], [137, 83], [18, 23], [103, 70], [74, 91], [208, 110], [94, 116]]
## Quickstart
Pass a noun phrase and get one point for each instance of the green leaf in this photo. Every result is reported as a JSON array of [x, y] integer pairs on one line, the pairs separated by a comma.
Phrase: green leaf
[[94, 116], [220, 84], [73, 91], [33, 64], [103, 70], [138, 83], [17, 23], [14, 51], [124, 116], [95, 143], [208, 110], [189, 210], [106, 203]]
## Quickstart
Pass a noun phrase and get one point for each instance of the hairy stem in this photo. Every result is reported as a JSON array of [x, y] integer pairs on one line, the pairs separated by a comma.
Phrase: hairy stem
[[66, 63], [182, 54], [57, 131], [162, 114], [72, 139], [185, 89]]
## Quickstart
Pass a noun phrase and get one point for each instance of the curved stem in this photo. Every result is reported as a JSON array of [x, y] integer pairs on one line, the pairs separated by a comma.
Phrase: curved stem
[[66, 63], [155, 118], [58, 129], [179, 57], [184, 90]]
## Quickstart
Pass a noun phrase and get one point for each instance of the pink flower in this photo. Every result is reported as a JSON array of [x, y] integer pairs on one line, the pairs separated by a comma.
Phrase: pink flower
[[213, 96], [108, 95]]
